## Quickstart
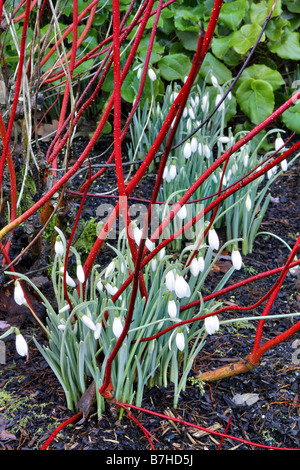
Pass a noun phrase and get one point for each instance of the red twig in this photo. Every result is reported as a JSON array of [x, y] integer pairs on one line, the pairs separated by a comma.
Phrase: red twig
[[59, 428]]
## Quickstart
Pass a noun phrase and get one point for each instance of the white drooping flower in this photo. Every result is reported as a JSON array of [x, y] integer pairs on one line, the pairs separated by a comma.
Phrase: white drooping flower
[[117, 327], [152, 75], [88, 322], [172, 308], [170, 280], [137, 233], [201, 263], [153, 264], [180, 341], [61, 326], [21, 344], [59, 246], [182, 289], [172, 171], [194, 267], [236, 259], [162, 254], [112, 290], [187, 150], [279, 142], [205, 103], [80, 273], [149, 244], [139, 72], [99, 285], [214, 80], [65, 308], [223, 139], [69, 281], [19, 294], [182, 213], [211, 324], [206, 151], [194, 144], [98, 329], [166, 174], [248, 203], [213, 239], [217, 101], [191, 113], [110, 269], [284, 165]]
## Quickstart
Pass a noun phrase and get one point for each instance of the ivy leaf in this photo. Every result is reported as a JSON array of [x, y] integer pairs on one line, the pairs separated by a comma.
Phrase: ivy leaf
[[256, 99], [245, 38], [288, 46], [262, 72], [174, 67]]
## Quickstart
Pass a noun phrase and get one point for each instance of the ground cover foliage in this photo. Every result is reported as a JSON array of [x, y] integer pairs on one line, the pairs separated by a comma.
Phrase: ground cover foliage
[[149, 231]]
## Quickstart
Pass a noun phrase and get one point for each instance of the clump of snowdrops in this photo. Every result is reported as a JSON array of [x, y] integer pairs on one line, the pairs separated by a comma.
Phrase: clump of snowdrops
[[81, 336]]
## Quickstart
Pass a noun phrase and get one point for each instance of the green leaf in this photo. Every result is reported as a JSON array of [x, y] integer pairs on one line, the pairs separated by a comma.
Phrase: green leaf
[[219, 70], [262, 72], [293, 6], [288, 46], [189, 39], [291, 117], [220, 46], [245, 38], [233, 13], [275, 28], [256, 99], [174, 67]]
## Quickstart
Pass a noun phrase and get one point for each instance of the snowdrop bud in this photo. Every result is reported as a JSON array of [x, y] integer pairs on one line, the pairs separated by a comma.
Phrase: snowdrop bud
[[110, 269], [207, 151], [191, 113], [180, 341], [166, 174], [229, 96], [100, 286], [139, 72], [246, 159], [59, 247], [21, 345], [284, 165], [137, 233], [19, 294], [117, 327], [61, 327], [88, 322], [112, 290], [187, 150], [149, 244], [64, 309], [214, 81], [211, 324], [170, 280], [172, 308], [248, 203], [201, 263], [279, 143], [153, 264], [217, 101], [80, 273], [182, 213], [172, 171], [196, 101], [182, 289], [205, 103], [98, 329], [194, 145], [152, 75], [185, 113], [270, 173], [213, 239], [236, 259], [162, 254], [69, 280], [194, 267], [223, 139]]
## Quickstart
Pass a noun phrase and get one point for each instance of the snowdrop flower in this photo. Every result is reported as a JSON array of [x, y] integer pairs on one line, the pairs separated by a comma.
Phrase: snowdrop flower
[[182, 289], [194, 145], [172, 308], [153, 264], [162, 254], [201, 263], [61, 327], [213, 239], [172, 171], [111, 289], [98, 329], [166, 174], [139, 72], [88, 322], [170, 280], [137, 233], [182, 213], [194, 267], [211, 324], [229, 96], [19, 294], [217, 101], [284, 165], [100, 285], [21, 345], [187, 150], [206, 151], [214, 80], [205, 103], [149, 244], [279, 142], [185, 113], [117, 327], [236, 259], [69, 280], [110, 269], [64, 309], [152, 75], [59, 246], [80, 273], [246, 159], [223, 139], [180, 341], [191, 113], [248, 203]]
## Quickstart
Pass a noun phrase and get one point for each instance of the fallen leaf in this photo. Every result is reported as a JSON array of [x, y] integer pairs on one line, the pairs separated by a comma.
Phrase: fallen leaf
[[245, 398]]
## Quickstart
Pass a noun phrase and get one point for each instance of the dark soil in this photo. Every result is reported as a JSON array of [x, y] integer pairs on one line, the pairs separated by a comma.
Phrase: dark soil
[[36, 404]]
